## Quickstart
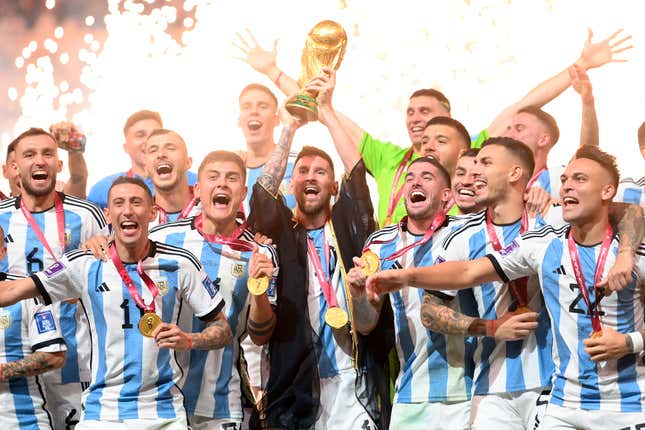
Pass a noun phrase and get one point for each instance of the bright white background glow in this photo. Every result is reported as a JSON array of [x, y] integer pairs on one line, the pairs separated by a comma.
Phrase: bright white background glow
[[482, 54]]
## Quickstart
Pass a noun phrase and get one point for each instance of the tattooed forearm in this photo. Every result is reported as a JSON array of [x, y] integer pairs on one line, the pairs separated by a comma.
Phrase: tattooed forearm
[[438, 317], [365, 314], [217, 334], [629, 222], [34, 364], [274, 169], [261, 331]]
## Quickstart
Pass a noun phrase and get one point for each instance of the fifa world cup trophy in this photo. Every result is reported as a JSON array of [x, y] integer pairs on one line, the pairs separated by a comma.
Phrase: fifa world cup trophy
[[325, 47]]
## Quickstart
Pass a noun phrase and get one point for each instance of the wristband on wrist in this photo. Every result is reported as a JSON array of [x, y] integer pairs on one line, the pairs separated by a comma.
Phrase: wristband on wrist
[[277, 78], [638, 344], [490, 328]]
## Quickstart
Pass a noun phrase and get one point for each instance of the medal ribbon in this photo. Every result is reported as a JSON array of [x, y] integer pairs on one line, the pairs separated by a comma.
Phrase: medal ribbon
[[127, 280], [60, 223], [395, 195], [534, 178], [325, 283], [232, 240], [163, 215], [517, 287], [600, 267]]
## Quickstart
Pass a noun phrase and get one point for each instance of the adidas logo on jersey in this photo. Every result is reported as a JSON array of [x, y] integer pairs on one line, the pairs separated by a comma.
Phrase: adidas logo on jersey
[[8, 239], [560, 271], [103, 288]]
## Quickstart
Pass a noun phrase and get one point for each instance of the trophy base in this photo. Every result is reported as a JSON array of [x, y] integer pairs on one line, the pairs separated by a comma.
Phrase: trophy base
[[303, 106]]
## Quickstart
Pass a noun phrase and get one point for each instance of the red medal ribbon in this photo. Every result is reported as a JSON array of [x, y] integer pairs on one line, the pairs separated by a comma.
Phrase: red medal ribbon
[[127, 280], [600, 267], [130, 173], [232, 240], [163, 215], [517, 287], [395, 195], [535, 178], [325, 283], [60, 222]]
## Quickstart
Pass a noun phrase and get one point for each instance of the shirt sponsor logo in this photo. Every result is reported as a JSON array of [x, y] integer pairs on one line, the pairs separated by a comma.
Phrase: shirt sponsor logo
[[45, 322], [54, 269], [510, 248]]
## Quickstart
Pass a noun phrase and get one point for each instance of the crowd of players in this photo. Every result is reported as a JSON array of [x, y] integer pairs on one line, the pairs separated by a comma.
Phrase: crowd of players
[[259, 293]]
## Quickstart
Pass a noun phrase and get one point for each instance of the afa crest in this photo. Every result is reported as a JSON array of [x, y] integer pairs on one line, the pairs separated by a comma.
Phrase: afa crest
[[5, 319], [238, 270], [162, 286]]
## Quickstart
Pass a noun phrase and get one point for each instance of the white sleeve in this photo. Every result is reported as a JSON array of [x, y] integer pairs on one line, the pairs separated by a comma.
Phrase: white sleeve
[[64, 279], [453, 248], [272, 292], [514, 261], [44, 327], [94, 226], [199, 291]]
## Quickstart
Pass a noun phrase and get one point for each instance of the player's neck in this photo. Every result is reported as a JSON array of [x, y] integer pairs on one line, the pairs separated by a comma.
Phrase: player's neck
[[420, 226], [312, 221], [590, 231], [259, 154], [218, 227], [508, 209], [38, 203], [540, 161], [176, 199], [132, 254], [138, 170]]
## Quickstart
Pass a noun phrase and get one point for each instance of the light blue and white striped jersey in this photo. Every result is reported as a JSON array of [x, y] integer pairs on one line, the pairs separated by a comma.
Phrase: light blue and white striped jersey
[[334, 352], [211, 384], [26, 255], [631, 191], [131, 377], [26, 327], [174, 216], [252, 175], [578, 382], [549, 181], [433, 367], [502, 367]]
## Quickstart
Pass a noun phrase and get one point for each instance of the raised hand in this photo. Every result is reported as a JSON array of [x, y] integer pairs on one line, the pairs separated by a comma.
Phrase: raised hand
[[603, 52], [254, 55], [581, 83]]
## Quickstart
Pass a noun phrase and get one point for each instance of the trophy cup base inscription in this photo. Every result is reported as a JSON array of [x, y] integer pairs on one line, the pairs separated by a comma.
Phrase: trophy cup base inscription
[[303, 106]]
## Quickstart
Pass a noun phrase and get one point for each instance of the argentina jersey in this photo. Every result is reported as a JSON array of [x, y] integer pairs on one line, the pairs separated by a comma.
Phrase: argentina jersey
[[502, 367], [578, 382], [333, 349], [27, 255], [549, 181], [433, 367], [26, 328], [132, 378], [252, 175], [211, 382], [631, 191], [174, 216]]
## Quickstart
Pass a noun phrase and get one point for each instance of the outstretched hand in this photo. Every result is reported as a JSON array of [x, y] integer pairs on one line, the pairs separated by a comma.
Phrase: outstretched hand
[[603, 52], [384, 282], [254, 55], [581, 83]]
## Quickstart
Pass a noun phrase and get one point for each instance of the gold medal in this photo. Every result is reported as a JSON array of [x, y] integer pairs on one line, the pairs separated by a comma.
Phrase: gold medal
[[148, 323], [596, 334], [258, 286], [388, 221], [371, 262], [336, 317]]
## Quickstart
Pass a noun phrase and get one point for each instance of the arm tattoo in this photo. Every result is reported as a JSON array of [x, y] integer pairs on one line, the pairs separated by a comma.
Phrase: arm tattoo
[[628, 220], [34, 364], [629, 344], [259, 329], [365, 314], [217, 334], [438, 317], [274, 169]]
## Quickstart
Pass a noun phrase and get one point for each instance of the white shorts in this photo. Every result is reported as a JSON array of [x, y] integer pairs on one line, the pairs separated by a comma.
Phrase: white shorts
[[340, 408], [203, 423], [64, 403], [521, 410], [430, 416], [178, 423], [558, 417]]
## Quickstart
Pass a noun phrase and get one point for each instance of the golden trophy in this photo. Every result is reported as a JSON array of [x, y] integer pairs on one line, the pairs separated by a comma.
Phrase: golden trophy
[[325, 47]]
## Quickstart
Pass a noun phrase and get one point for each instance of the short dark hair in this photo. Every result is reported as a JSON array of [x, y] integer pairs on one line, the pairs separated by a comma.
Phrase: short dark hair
[[33, 131], [546, 119], [311, 151], [130, 180], [641, 135], [10, 148], [606, 160], [518, 150], [470, 152], [140, 116], [431, 92], [162, 132], [259, 87], [442, 170], [450, 122], [222, 155]]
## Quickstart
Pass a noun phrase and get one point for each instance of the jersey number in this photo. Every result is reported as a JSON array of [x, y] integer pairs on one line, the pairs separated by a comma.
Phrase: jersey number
[[126, 314], [573, 307], [34, 264]]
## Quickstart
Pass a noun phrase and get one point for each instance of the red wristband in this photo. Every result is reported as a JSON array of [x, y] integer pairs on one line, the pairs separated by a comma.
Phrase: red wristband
[[277, 78], [490, 328]]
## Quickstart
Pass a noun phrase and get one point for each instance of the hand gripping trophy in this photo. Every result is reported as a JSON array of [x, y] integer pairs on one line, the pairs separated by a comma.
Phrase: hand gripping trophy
[[325, 47]]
